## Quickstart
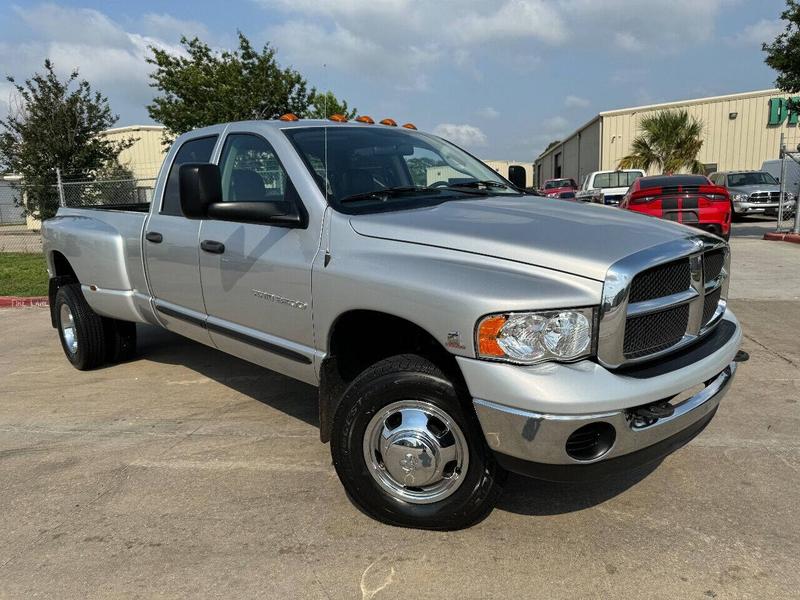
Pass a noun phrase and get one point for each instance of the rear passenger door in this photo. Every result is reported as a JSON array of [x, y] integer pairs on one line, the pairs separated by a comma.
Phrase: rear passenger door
[[171, 247], [256, 277]]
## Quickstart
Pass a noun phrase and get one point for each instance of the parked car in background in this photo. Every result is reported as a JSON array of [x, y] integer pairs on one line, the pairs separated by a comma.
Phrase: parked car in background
[[607, 187], [754, 192], [688, 199], [552, 188]]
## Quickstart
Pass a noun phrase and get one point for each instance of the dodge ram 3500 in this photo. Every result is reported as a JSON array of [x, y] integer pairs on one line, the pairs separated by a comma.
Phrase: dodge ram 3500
[[456, 329]]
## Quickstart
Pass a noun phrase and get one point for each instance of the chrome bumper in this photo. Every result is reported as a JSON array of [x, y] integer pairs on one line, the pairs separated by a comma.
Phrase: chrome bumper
[[542, 438]]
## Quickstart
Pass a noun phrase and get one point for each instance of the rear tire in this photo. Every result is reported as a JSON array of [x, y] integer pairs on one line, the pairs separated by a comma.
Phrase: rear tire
[[80, 329], [120, 340], [406, 407]]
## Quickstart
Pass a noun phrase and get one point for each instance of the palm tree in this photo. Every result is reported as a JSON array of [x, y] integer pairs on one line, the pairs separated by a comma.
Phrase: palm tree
[[670, 140]]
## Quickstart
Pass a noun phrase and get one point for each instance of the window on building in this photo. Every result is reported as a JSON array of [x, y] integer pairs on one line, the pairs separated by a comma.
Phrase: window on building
[[557, 165]]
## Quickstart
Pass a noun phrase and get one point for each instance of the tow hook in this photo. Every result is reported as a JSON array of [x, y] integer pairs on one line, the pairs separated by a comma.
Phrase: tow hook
[[649, 414]]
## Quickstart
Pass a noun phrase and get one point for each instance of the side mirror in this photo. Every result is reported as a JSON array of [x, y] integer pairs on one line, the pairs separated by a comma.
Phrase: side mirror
[[275, 212], [516, 175], [199, 186]]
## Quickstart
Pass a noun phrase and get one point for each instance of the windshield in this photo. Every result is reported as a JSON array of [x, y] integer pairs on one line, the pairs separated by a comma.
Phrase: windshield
[[617, 179], [756, 178], [558, 183], [375, 168]]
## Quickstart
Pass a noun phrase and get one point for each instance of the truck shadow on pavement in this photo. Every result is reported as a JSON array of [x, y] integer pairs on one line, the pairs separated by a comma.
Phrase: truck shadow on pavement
[[522, 495]]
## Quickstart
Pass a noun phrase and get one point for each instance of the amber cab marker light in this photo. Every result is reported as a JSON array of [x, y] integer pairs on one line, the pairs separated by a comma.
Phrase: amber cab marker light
[[338, 118], [289, 117], [410, 126], [487, 336], [389, 122], [365, 119]]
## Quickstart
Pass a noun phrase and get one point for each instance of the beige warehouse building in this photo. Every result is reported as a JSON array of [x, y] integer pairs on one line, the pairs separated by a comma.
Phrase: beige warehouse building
[[740, 131], [145, 156]]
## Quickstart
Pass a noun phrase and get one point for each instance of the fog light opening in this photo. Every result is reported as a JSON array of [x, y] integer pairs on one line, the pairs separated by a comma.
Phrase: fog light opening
[[591, 441]]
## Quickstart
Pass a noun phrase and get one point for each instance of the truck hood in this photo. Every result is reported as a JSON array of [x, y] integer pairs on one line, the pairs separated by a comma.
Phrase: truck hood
[[581, 239], [749, 189]]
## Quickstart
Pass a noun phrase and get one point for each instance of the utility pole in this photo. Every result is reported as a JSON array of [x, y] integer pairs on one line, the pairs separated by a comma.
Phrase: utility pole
[[61, 201], [782, 193]]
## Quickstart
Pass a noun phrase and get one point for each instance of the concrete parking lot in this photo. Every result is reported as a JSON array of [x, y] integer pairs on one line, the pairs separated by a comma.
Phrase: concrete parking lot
[[190, 473]]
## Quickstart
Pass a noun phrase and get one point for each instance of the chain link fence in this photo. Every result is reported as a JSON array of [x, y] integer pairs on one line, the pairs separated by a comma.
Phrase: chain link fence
[[20, 228]]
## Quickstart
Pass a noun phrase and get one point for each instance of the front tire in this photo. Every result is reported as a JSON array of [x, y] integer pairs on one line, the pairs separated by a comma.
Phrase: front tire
[[409, 452], [80, 329]]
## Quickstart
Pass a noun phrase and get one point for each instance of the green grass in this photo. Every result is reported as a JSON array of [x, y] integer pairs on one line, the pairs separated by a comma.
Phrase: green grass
[[22, 274]]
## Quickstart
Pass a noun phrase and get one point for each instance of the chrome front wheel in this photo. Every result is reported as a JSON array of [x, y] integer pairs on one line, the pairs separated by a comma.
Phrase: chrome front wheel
[[415, 451]]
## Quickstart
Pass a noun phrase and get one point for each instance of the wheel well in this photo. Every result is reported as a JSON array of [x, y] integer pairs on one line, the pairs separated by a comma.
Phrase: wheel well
[[361, 338], [63, 273]]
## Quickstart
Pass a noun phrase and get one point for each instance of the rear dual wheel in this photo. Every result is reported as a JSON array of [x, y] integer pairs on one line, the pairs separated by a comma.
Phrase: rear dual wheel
[[89, 340], [409, 452]]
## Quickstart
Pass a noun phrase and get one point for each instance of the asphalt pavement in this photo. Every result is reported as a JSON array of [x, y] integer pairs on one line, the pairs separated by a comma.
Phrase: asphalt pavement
[[189, 473]]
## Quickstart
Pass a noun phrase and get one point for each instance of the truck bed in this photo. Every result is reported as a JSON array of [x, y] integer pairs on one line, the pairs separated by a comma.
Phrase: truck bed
[[103, 244]]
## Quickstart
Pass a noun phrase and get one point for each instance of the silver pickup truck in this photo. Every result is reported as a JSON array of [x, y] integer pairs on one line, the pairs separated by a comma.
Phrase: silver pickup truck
[[456, 329]]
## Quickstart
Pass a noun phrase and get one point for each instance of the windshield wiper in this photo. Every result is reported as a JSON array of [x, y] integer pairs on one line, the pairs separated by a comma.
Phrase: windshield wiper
[[477, 183], [384, 193]]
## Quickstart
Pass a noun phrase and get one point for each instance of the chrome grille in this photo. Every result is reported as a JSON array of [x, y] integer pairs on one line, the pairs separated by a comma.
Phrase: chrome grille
[[710, 304], [662, 298], [765, 197], [662, 280], [655, 332]]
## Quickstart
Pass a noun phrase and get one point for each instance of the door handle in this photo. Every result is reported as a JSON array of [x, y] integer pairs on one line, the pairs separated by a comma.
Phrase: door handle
[[212, 246], [154, 236]]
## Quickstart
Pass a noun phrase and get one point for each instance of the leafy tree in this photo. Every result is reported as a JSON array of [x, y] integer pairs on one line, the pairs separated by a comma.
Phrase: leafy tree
[[204, 87], [552, 144], [56, 125], [783, 54], [670, 140], [323, 105]]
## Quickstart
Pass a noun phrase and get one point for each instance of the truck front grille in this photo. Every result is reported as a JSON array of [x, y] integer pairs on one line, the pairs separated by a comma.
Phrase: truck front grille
[[662, 280], [657, 308], [655, 332], [765, 197]]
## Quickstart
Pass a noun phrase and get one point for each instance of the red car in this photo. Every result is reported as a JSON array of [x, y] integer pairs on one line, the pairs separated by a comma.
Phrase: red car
[[554, 187], [688, 199]]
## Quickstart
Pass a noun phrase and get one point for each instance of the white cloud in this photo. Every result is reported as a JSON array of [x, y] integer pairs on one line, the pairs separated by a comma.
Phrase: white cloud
[[110, 57], [167, 26], [765, 30], [461, 135], [488, 112], [625, 40], [575, 102]]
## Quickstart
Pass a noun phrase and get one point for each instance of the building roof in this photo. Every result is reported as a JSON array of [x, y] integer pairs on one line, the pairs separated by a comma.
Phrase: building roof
[[678, 103], [128, 128]]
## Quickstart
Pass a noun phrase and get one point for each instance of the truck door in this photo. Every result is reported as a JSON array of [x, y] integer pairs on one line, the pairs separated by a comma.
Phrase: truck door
[[171, 249], [256, 277]]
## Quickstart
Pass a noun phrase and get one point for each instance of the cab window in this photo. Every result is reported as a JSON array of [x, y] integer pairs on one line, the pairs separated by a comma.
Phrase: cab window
[[251, 171]]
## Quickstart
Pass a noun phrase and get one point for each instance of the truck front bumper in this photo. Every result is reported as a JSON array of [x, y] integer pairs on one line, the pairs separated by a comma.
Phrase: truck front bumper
[[573, 422]]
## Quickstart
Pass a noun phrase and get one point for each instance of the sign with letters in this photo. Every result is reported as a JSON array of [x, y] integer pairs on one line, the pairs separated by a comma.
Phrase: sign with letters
[[781, 109]]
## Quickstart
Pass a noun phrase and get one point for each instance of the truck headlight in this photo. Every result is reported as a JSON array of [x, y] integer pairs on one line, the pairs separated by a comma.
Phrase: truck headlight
[[531, 337], [740, 197]]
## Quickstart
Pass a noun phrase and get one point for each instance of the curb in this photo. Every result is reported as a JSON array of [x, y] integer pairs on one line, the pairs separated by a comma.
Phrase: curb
[[23, 302], [774, 236]]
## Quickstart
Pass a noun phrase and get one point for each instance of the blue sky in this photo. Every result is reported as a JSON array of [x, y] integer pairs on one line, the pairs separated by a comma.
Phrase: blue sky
[[501, 78]]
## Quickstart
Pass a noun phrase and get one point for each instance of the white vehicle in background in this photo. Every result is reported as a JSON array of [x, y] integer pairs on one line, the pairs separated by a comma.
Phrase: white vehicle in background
[[607, 187]]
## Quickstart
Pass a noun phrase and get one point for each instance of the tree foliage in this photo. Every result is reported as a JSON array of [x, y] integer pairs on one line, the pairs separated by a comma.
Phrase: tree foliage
[[204, 87], [56, 124], [783, 54], [670, 141], [325, 104]]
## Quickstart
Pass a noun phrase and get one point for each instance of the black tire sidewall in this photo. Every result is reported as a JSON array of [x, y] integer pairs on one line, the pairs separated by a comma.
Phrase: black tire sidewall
[[89, 345], [476, 495]]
